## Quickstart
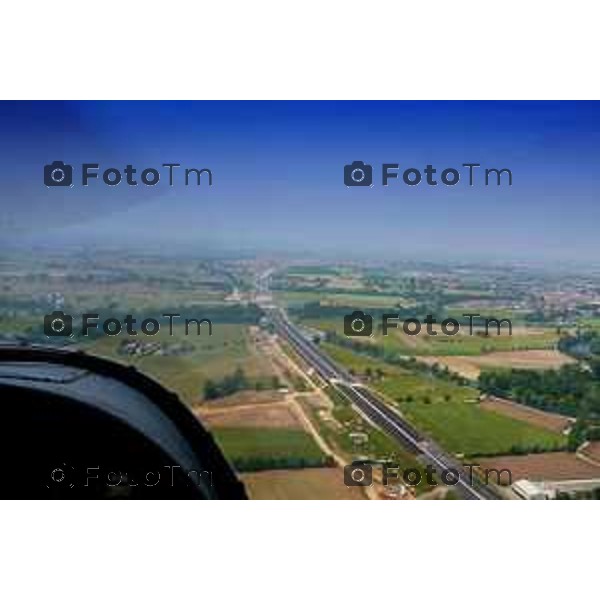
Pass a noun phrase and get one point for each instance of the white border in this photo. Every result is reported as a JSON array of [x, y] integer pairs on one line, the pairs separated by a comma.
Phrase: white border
[[314, 49], [305, 550]]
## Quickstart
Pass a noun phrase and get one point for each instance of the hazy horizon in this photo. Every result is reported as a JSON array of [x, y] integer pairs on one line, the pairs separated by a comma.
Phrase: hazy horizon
[[278, 178]]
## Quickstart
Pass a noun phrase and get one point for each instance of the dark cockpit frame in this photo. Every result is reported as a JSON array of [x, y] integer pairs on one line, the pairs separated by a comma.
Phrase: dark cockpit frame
[[78, 426]]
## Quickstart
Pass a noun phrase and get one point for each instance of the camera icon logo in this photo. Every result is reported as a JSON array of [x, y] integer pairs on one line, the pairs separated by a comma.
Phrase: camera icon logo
[[358, 324], [358, 474], [57, 324], [358, 174], [57, 174], [62, 476]]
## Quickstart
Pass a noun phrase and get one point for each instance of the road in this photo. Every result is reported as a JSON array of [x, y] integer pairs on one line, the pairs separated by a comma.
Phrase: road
[[376, 409]]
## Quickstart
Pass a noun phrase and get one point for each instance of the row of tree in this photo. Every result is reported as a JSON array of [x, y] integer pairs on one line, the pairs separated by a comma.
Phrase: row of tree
[[247, 464], [583, 345], [391, 357], [237, 382], [570, 390]]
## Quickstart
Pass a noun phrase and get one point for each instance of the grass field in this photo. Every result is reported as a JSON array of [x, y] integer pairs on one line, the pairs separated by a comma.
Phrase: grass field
[[457, 312], [521, 412], [398, 382], [470, 430], [213, 357], [297, 299], [254, 449], [473, 345], [357, 300], [112, 280], [316, 271], [461, 344], [21, 325], [590, 323], [450, 413]]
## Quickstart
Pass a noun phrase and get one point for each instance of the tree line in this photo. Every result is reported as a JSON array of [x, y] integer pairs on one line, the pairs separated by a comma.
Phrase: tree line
[[237, 382], [572, 391]]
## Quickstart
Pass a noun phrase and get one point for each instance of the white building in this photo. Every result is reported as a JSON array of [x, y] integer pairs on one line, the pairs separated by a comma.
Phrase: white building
[[531, 490]]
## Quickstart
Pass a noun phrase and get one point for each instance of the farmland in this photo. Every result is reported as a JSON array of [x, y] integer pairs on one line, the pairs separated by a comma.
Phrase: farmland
[[552, 466], [438, 344], [450, 412], [273, 424], [357, 299], [478, 344], [109, 280], [257, 412], [398, 382], [211, 357], [543, 419], [472, 431], [257, 449], [472, 366], [304, 484]]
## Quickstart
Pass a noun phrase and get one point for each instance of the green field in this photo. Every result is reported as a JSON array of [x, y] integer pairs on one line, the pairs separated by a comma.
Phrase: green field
[[134, 283], [22, 325], [470, 430], [461, 344], [589, 323], [471, 345], [297, 299], [398, 382], [213, 357], [315, 271], [449, 412], [357, 299], [457, 312], [253, 449]]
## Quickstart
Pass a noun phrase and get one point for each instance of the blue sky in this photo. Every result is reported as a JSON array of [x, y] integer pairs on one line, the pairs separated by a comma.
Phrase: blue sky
[[278, 177]]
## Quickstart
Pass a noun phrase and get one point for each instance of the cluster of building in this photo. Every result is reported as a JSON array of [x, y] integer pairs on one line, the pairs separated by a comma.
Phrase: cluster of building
[[138, 348]]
